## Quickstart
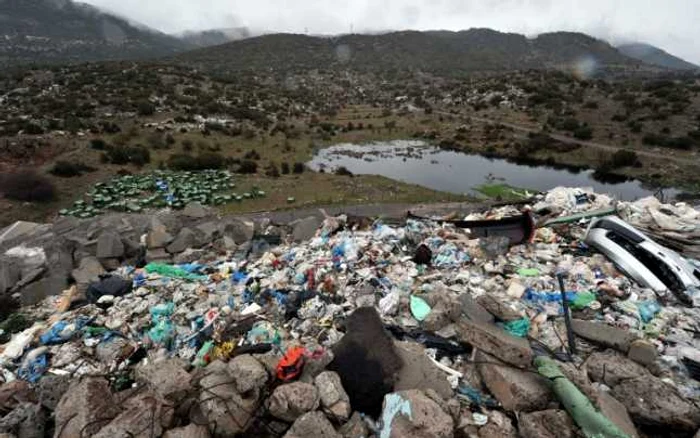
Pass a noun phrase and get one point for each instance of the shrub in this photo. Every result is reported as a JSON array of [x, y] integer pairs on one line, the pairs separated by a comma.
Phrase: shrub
[[252, 155], [98, 144], [27, 186], [343, 171], [284, 168], [203, 161], [583, 133], [272, 171], [67, 169], [137, 155], [145, 108], [248, 167], [298, 168], [624, 158]]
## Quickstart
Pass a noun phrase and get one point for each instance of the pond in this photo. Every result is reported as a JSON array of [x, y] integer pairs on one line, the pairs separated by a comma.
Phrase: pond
[[416, 162]]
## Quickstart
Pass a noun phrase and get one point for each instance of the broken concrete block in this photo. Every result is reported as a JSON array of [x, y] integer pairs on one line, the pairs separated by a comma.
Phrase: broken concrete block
[[227, 412], [496, 341], [186, 238], [412, 413], [615, 412], [109, 245], [546, 424], [652, 402], [473, 310], [167, 378], [504, 311], [248, 373], [143, 416], [603, 334], [516, 390], [643, 352], [305, 229], [333, 396], [312, 425], [418, 372], [85, 408], [289, 402], [611, 368], [354, 428], [191, 431]]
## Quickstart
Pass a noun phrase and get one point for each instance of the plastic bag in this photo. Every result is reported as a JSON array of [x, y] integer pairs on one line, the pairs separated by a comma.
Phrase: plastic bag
[[419, 308], [519, 327], [108, 285], [172, 272]]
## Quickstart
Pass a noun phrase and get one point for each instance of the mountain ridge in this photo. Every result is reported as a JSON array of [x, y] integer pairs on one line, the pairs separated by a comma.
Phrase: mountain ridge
[[655, 56]]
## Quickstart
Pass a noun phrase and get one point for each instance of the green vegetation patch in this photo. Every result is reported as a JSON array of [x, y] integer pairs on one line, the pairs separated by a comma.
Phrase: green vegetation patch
[[160, 189], [504, 192]]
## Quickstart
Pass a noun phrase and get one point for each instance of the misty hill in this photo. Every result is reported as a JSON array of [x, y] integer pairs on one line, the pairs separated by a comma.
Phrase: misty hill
[[62, 31], [655, 56], [434, 51], [214, 37]]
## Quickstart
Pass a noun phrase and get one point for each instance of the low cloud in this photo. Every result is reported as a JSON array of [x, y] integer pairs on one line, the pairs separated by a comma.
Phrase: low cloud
[[670, 24]]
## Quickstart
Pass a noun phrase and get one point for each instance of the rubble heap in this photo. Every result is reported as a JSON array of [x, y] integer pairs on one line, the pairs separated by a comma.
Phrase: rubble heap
[[184, 325]]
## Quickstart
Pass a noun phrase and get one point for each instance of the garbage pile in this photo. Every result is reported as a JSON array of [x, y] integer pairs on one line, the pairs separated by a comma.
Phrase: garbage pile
[[355, 328]]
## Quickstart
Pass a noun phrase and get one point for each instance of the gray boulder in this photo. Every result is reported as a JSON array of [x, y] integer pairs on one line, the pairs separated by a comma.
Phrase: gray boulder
[[109, 245], [167, 378], [144, 416], [185, 239], [88, 270], [289, 402], [240, 231], [611, 368], [195, 210], [27, 420], [85, 408], [312, 425], [10, 274], [248, 373], [412, 413], [333, 397], [190, 431], [305, 229]]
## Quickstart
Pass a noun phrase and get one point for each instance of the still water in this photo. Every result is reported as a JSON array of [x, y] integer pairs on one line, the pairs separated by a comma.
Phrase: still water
[[416, 162]]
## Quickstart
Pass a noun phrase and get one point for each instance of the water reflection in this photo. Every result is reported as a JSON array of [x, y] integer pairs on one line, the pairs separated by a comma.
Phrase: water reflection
[[416, 162]]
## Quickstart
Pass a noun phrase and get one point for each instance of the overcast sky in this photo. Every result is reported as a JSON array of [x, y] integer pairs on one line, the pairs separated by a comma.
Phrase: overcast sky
[[673, 25]]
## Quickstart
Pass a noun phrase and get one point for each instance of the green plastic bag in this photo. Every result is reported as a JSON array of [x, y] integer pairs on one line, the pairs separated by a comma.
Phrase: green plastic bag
[[519, 327], [172, 272], [582, 300], [528, 272], [419, 308]]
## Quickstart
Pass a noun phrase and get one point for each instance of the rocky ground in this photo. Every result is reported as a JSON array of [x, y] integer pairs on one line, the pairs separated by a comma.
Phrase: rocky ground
[[190, 325]]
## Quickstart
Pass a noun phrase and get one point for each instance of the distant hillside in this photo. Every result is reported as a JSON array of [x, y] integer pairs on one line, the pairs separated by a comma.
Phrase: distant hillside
[[655, 56], [214, 37], [62, 31], [435, 51]]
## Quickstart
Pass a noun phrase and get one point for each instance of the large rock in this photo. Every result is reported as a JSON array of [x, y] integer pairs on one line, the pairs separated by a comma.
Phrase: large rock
[[50, 390], [643, 352], [35, 292], [109, 245], [10, 274], [248, 373], [516, 390], [355, 427], [167, 378], [289, 402], [473, 311], [652, 402], [240, 231], [499, 426], [27, 420], [158, 238], [195, 210], [446, 308], [333, 397], [616, 412], [191, 431], [418, 372], [85, 408], [611, 368], [546, 424], [414, 414], [207, 232], [496, 341], [145, 416], [503, 310], [312, 425], [603, 334], [88, 270], [305, 229], [227, 412], [186, 238]]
